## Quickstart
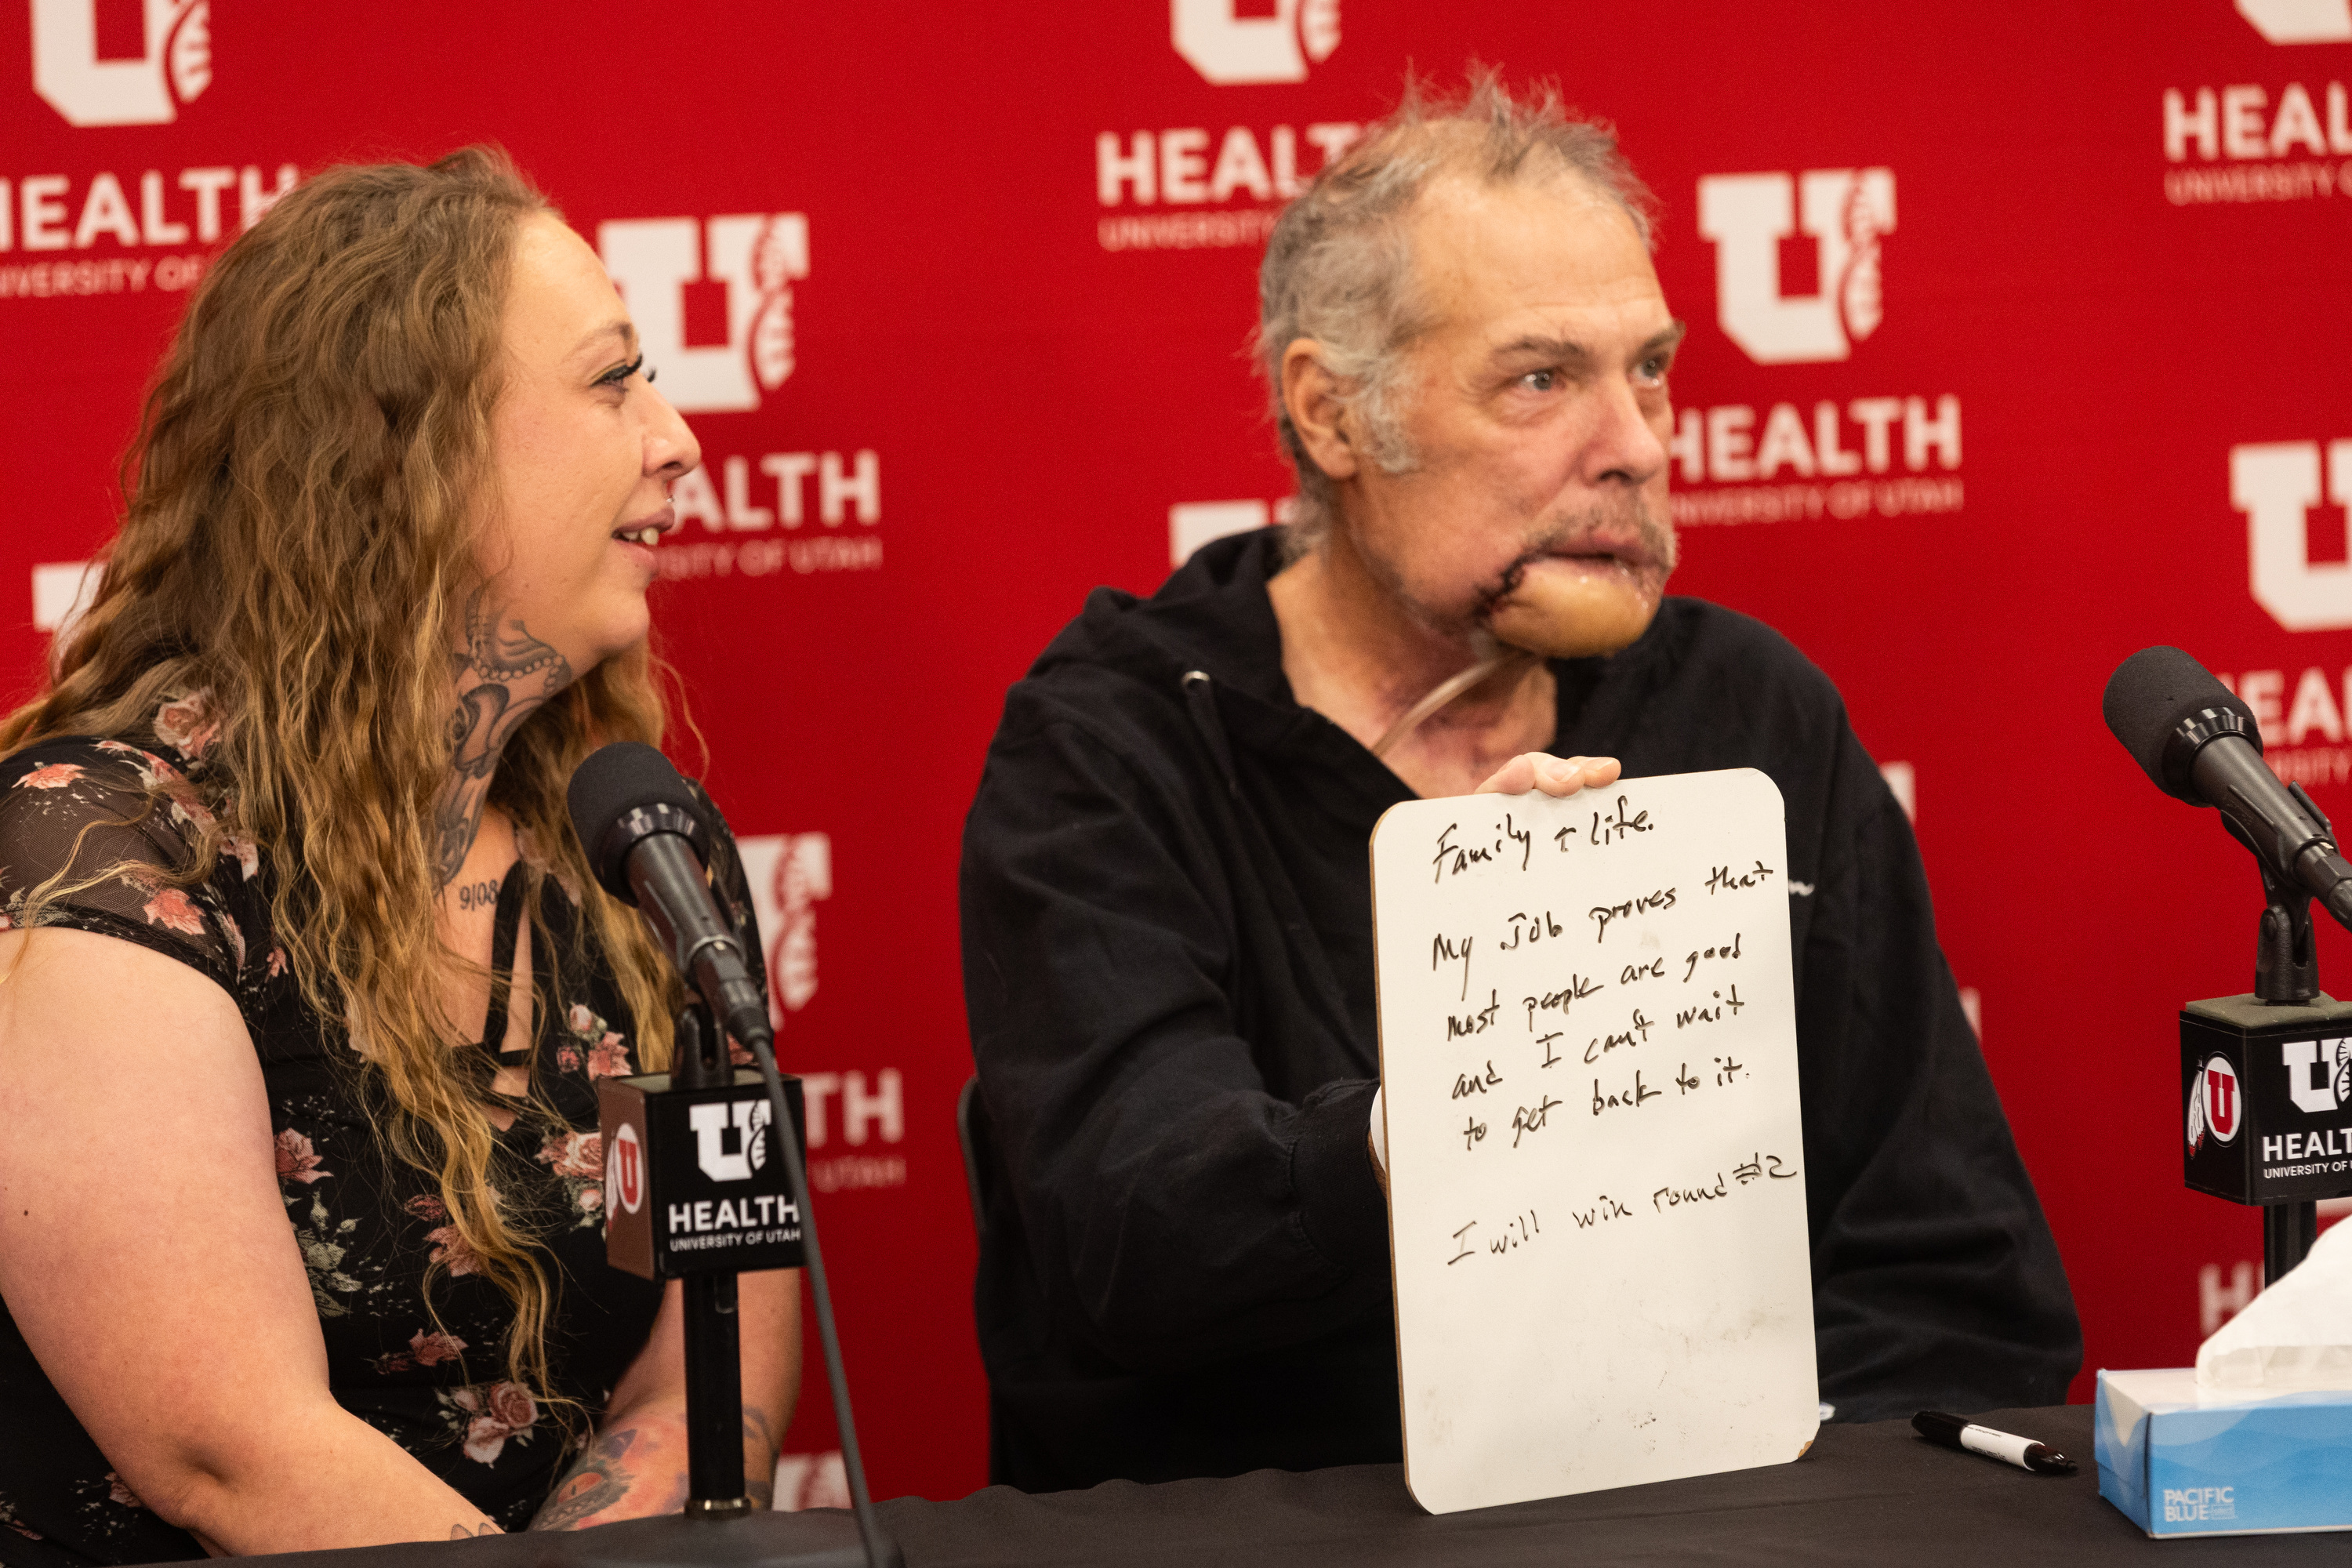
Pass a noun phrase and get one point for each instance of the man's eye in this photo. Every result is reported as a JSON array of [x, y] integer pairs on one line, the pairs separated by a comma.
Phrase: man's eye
[[1653, 369], [1539, 380]]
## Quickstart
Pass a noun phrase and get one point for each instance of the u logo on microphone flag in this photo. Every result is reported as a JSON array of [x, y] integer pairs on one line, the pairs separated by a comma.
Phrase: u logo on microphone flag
[[625, 1170], [2216, 1109]]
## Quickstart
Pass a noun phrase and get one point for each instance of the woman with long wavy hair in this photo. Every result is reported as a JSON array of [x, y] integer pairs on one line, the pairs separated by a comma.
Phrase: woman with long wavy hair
[[304, 985]]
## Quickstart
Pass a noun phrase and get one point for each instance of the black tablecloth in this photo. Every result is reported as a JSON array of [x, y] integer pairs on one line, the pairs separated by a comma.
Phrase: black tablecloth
[[1872, 1495]]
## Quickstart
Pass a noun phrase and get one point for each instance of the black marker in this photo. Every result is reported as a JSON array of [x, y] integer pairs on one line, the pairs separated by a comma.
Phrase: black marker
[[1960, 1432]]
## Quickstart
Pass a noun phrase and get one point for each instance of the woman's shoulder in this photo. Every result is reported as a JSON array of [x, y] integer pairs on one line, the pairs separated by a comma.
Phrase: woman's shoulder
[[75, 782], [102, 834], [166, 757], [79, 763], [139, 782]]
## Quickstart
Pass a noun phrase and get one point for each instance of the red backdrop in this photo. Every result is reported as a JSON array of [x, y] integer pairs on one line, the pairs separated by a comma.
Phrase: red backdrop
[[2012, 337]]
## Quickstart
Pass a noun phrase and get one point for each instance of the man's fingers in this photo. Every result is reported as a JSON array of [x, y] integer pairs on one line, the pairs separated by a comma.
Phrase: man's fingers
[[1513, 777], [1563, 776], [1557, 777]]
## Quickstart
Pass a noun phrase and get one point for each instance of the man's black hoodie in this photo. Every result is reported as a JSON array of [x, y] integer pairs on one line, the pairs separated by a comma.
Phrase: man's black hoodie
[[1168, 965]]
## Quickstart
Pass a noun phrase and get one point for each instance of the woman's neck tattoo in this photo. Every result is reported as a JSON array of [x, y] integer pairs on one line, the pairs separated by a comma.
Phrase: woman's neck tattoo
[[502, 677]]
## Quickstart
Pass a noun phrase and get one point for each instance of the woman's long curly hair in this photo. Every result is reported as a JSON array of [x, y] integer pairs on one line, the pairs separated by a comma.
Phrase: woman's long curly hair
[[299, 544]]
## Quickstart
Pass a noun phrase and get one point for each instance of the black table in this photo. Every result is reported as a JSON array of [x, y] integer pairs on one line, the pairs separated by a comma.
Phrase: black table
[[1873, 1495]]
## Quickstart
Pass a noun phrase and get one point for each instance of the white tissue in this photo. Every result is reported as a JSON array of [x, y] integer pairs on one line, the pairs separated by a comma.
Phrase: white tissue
[[2295, 1334]]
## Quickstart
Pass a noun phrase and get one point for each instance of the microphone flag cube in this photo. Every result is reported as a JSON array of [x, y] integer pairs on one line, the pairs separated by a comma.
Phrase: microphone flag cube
[[694, 1178], [2266, 1096]]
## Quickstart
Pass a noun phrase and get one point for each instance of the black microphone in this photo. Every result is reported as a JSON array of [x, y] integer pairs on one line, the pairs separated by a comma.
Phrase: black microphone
[[648, 846], [2199, 743]]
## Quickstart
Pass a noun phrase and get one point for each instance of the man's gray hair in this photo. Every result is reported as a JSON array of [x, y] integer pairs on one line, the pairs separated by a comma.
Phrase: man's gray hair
[[1339, 265]]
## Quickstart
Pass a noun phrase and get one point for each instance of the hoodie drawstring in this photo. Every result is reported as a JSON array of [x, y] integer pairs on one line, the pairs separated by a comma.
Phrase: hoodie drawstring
[[1201, 702]]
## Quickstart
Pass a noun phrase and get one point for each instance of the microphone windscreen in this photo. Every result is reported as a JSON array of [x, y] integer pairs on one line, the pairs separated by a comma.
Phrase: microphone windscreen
[[2149, 696], [615, 780]]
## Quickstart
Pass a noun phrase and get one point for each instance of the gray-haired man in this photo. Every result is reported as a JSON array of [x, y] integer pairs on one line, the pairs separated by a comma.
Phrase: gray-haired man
[[1167, 930]]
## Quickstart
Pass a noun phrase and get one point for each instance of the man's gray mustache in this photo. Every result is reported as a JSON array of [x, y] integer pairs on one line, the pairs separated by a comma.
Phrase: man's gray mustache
[[1656, 536]]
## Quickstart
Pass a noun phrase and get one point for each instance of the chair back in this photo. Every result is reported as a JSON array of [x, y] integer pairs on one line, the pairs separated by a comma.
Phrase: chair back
[[979, 1151]]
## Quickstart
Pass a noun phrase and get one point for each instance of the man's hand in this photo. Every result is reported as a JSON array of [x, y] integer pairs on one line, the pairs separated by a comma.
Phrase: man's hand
[[1559, 776]]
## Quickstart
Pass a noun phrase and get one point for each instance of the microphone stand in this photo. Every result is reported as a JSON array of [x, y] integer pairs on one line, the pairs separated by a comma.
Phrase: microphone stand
[[2286, 975], [714, 1341], [881, 1551], [714, 1385], [2258, 1130], [645, 830]]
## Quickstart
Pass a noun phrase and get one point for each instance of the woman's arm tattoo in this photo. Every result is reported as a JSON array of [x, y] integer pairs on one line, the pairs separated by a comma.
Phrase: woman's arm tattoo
[[601, 1478], [759, 1458], [640, 1468]]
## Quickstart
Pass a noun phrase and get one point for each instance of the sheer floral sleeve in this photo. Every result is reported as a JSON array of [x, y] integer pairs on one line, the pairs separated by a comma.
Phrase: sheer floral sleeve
[[100, 835]]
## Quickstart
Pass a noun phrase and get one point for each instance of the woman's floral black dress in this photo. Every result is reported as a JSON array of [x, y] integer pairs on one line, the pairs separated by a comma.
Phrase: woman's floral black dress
[[368, 1224]]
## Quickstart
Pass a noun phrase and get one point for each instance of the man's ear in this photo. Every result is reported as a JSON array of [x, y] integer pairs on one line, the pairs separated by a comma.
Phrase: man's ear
[[1311, 396]]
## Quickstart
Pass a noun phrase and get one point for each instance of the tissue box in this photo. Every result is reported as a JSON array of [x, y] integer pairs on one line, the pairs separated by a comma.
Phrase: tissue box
[[2183, 1460]]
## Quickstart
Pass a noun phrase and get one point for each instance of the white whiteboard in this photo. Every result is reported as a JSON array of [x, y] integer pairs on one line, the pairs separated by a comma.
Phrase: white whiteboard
[[1596, 1193]]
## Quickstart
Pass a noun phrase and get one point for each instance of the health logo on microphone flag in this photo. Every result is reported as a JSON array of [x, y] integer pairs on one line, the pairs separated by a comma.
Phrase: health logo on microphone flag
[[2319, 1074]]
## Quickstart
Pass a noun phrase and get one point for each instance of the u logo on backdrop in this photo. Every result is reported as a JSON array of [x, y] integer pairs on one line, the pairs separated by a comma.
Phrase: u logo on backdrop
[[1230, 50], [2300, 21], [2277, 485], [1845, 212], [175, 66], [788, 874], [755, 257]]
